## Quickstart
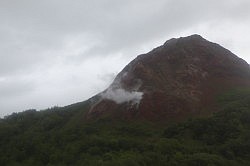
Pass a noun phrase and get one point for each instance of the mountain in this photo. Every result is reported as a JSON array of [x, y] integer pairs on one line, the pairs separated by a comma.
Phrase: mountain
[[180, 79], [177, 84]]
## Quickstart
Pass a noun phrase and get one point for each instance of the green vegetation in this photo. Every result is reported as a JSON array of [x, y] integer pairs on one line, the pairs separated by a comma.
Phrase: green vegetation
[[59, 136]]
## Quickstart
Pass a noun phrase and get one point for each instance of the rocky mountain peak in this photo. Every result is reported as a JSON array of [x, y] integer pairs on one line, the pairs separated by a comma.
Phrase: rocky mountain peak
[[176, 80]]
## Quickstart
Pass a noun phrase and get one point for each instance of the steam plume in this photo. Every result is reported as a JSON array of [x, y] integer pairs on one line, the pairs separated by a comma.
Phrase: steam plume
[[119, 95]]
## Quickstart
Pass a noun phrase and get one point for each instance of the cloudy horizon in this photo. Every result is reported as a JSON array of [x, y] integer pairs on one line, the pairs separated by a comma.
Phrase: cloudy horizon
[[55, 53]]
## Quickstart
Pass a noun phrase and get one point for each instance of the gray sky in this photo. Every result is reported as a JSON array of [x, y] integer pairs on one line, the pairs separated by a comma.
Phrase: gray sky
[[57, 52]]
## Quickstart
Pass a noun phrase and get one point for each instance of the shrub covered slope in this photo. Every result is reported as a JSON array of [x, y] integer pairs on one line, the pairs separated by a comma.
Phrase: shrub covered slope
[[58, 136]]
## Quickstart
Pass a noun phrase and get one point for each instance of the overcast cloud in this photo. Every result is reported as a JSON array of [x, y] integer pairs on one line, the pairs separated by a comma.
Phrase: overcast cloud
[[57, 52]]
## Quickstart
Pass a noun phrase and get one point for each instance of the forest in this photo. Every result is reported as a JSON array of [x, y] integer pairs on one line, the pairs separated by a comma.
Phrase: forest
[[59, 136]]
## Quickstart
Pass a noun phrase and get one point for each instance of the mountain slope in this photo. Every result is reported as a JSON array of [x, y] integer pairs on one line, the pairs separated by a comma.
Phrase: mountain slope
[[57, 137], [172, 82]]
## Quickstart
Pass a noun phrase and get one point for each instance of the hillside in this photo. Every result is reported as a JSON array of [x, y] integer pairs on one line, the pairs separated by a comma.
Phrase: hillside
[[185, 103], [57, 137], [177, 80]]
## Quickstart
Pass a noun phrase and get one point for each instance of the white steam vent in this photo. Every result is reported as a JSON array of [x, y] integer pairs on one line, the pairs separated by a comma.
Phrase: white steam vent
[[119, 95]]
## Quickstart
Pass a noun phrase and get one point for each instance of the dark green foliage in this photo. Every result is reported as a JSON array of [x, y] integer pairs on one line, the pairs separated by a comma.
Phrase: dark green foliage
[[59, 136]]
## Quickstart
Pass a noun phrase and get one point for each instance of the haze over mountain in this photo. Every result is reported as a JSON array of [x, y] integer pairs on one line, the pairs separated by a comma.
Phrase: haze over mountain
[[174, 81]]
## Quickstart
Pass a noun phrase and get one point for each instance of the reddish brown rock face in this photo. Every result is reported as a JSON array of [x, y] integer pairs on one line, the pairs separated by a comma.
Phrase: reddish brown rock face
[[178, 79]]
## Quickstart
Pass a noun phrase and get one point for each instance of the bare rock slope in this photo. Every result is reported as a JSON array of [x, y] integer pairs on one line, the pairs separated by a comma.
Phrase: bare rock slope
[[179, 79]]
